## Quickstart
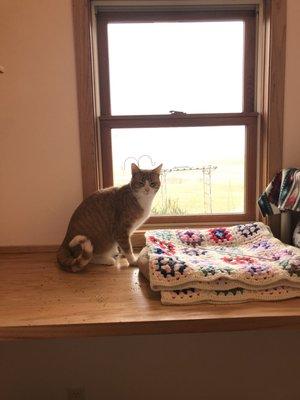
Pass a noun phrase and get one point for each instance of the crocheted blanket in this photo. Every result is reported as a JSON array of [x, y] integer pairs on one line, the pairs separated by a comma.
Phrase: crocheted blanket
[[282, 193], [220, 265]]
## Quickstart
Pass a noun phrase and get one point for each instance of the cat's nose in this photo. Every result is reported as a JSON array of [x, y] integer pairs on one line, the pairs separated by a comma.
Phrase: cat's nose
[[147, 189]]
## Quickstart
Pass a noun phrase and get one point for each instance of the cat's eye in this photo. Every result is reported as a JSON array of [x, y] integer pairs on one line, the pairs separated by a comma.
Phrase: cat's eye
[[152, 184], [141, 183]]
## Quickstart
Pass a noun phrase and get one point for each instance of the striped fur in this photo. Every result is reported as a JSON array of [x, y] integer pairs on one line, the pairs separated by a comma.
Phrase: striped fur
[[107, 219], [77, 255]]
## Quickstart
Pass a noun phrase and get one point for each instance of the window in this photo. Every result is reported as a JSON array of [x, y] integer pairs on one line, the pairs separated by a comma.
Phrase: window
[[178, 88]]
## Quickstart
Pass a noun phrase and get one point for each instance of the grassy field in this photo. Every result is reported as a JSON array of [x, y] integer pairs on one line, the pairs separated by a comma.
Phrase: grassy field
[[188, 198], [183, 192]]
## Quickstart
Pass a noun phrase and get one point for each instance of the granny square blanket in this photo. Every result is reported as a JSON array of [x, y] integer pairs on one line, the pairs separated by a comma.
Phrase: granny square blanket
[[220, 265]]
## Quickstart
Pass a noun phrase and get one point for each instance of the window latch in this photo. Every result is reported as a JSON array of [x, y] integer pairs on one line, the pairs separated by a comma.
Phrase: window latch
[[174, 112]]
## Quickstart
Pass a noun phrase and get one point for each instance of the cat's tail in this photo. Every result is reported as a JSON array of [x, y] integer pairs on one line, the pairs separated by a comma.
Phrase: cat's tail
[[74, 256]]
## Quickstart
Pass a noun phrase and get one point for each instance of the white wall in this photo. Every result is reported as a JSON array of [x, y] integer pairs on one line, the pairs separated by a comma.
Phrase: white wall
[[40, 173]]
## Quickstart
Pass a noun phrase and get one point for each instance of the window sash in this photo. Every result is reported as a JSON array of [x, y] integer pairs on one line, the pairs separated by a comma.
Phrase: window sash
[[248, 117], [248, 17], [154, 121]]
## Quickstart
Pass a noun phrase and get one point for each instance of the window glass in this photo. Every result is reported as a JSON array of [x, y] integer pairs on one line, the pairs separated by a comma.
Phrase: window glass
[[203, 167], [194, 67]]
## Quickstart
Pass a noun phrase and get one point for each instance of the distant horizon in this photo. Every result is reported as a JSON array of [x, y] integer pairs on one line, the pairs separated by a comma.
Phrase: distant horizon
[[180, 146]]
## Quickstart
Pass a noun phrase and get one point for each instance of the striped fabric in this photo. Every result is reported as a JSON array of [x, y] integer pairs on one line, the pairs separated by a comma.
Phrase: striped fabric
[[282, 193]]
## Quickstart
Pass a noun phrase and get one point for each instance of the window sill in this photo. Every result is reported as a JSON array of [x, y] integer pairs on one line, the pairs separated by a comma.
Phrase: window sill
[[41, 301]]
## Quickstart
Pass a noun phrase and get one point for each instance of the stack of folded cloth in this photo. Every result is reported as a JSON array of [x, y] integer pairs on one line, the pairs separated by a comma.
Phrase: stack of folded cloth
[[220, 265]]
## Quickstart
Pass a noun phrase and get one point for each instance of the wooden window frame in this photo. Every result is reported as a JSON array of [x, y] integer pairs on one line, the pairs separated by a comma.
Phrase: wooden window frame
[[248, 117], [270, 111]]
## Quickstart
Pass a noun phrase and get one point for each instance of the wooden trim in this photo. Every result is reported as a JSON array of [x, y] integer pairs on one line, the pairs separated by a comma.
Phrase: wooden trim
[[198, 218], [107, 164], [29, 249], [104, 87], [251, 194], [275, 100], [249, 63], [235, 322], [168, 15], [249, 118], [273, 104], [273, 93], [188, 5], [155, 121], [85, 96]]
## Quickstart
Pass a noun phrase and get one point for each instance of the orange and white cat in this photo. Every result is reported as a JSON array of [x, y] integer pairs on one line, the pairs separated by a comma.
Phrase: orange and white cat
[[106, 220]]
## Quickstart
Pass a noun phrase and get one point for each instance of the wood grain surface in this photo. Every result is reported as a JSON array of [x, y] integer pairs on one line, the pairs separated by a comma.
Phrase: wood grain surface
[[38, 300]]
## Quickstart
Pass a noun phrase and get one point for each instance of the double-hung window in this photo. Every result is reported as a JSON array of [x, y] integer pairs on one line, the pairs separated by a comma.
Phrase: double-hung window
[[178, 88]]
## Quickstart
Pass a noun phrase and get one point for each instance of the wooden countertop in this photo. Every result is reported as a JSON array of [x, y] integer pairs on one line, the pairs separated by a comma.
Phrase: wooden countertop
[[38, 300]]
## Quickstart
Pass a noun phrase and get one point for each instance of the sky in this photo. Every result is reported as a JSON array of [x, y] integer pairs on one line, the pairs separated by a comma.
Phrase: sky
[[192, 146], [195, 67]]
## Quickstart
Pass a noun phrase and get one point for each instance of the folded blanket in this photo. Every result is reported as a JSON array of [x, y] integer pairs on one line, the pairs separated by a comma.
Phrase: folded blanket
[[282, 193], [220, 265]]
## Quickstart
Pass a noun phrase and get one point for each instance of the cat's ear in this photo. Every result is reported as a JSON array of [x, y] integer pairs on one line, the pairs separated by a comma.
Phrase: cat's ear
[[134, 169], [157, 169]]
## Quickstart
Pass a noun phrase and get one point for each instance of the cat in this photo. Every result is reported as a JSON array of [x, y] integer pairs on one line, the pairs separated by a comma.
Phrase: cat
[[105, 221]]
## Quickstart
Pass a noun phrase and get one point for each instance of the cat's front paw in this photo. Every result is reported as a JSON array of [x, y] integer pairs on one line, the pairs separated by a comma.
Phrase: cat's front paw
[[122, 262], [132, 260]]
